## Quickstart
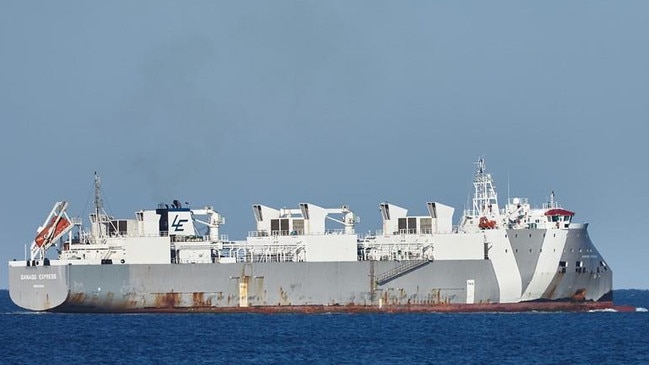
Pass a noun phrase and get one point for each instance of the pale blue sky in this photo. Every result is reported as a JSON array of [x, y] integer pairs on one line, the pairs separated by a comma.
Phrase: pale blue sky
[[329, 102]]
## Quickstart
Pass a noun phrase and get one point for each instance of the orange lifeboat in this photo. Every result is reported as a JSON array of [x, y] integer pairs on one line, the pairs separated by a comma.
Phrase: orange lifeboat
[[45, 234], [485, 223]]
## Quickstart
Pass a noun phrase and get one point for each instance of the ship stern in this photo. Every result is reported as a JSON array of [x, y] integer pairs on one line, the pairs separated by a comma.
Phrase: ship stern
[[39, 286]]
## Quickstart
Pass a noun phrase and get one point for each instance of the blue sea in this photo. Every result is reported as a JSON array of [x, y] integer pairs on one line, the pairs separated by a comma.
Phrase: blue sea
[[476, 338]]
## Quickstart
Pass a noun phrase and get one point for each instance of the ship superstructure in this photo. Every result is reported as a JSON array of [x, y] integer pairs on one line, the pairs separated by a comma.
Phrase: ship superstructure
[[310, 258]]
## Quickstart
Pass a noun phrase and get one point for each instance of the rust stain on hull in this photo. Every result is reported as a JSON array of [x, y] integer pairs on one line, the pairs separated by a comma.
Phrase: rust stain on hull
[[167, 300], [199, 300], [170, 306], [76, 298], [580, 295]]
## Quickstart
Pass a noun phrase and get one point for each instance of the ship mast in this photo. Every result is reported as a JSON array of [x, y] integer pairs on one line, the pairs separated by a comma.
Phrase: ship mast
[[99, 215], [98, 202], [485, 198]]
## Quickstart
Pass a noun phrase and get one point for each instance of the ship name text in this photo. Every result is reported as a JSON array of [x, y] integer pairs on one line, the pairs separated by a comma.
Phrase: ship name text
[[38, 277]]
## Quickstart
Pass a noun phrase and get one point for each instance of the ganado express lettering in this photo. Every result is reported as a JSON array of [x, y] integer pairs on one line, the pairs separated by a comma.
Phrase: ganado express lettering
[[38, 277]]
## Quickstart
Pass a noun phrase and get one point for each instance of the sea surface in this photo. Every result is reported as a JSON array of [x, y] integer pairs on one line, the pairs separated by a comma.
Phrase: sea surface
[[476, 338]]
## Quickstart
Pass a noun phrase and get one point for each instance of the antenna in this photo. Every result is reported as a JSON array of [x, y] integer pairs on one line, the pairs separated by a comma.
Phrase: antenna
[[508, 200], [101, 218], [98, 202], [552, 204]]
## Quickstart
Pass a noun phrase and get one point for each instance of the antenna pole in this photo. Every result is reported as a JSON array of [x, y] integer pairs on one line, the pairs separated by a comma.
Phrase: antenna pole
[[99, 207], [98, 203], [508, 187]]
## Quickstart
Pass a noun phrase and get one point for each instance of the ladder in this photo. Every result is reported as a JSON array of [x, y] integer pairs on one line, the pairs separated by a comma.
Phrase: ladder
[[402, 269]]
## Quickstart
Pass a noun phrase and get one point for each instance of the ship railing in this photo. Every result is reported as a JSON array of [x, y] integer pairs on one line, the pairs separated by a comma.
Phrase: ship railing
[[274, 233], [261, 233], [117, 234], [374, 255], [414, 231], [264, 233], [261, 252], [176, 238], [395, 245], [550, 205], [401, 232], [394, 251], [337, 231], [287, 233], [189, 239]]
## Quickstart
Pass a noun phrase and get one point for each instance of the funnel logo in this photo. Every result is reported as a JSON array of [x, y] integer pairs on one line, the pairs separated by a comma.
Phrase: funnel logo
[[177, 224]]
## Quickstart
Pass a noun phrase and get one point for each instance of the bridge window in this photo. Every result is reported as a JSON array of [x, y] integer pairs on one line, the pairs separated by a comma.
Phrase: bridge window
[[279, 227], [408, 225], [412, 225], [117, 226], [426, 225], [403, 224], [298, 226]]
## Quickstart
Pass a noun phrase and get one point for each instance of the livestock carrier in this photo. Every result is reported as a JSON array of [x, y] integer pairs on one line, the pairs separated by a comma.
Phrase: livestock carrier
[[174, 259]]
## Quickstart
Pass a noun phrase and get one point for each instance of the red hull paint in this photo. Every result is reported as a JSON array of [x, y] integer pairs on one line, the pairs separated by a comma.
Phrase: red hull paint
[[440, 308], [624, 308]]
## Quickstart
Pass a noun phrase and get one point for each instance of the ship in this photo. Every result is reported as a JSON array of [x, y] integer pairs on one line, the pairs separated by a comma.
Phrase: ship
[[311, 259]]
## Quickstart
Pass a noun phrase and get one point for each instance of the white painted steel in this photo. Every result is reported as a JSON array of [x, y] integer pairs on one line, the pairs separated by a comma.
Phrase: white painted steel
[[505, 266], [470, 291], [547, 264]]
